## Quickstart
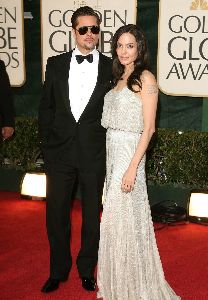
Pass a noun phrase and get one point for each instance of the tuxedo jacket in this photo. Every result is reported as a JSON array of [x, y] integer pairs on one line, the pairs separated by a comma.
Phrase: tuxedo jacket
[[57, 127], [6, 99]]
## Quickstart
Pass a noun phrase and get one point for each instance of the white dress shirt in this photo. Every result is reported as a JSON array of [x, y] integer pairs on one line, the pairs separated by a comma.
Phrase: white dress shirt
[[82, 81]]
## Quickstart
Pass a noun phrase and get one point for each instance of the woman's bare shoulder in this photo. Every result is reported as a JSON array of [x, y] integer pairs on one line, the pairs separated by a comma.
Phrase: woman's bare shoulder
[[147, 76], [149, 83]]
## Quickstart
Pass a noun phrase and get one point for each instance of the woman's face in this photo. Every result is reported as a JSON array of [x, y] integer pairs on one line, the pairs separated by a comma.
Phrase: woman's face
[[127, 50]]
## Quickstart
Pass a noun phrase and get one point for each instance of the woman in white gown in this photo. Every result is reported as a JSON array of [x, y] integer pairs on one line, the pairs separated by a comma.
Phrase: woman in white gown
[[129, 265]]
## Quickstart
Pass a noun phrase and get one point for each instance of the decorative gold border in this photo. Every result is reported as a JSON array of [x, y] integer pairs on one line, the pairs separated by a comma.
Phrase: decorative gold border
[[136, 11], [183, 95], [199, 4]]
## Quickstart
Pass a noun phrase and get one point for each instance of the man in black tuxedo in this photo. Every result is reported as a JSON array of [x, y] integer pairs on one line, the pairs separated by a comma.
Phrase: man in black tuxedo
[[6, 105], [73, 144]]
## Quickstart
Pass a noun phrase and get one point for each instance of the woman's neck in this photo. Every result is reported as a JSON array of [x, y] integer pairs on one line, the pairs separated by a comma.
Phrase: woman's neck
[[127, 71]]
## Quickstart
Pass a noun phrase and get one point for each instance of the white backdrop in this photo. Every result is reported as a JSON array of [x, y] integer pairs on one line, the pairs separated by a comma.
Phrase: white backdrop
[[12, 40], [183, 47], [56, 23]]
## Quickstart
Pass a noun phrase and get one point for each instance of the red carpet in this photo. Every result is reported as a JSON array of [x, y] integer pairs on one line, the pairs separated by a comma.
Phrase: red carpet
[[24, 254]]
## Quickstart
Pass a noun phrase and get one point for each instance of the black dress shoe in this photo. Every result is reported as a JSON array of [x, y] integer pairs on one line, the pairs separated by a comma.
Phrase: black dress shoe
[[89, 284], [50, 285]]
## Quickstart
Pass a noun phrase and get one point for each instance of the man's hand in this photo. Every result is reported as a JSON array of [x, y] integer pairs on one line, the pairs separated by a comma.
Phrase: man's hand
[[7, 132]]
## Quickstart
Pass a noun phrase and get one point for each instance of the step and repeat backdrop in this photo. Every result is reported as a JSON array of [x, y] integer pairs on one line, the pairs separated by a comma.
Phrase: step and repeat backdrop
[[177, 34], [182, 63], [56, 36], [56, 23]]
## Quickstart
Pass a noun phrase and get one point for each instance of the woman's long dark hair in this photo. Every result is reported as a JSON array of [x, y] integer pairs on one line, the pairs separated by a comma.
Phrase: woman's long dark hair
[[140, 64]]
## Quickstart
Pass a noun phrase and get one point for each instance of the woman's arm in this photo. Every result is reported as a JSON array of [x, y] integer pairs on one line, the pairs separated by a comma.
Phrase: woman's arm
[[149, 96]]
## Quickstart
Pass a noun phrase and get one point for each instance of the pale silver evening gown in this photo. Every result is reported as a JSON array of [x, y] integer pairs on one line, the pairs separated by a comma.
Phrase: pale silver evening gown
[[129, 265]]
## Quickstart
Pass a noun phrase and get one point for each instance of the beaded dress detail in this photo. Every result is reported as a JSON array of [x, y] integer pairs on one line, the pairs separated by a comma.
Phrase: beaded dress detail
[[129, 265]]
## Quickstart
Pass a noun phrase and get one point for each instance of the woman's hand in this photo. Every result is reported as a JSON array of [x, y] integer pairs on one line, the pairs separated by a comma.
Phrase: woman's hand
[[128, 180]]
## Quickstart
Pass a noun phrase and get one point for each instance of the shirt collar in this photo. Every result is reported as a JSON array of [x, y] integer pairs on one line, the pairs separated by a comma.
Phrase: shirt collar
[[94, 52]]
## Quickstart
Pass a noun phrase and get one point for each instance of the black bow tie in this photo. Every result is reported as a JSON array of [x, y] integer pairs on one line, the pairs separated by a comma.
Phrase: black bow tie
[[81, 58]]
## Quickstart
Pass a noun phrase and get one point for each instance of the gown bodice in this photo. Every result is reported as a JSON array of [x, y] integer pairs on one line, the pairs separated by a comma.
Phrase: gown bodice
[[123, 111]]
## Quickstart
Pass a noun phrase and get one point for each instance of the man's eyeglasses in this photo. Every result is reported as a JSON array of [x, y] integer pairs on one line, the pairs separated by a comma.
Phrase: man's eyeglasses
[[84, 29]]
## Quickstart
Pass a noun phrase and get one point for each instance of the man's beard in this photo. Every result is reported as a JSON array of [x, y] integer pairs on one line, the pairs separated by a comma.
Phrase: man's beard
[[89, 47]]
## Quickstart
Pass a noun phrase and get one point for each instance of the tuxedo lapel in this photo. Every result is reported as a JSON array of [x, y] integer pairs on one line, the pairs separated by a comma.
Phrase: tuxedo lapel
[[102, 80], [101, 72], [64, 79]]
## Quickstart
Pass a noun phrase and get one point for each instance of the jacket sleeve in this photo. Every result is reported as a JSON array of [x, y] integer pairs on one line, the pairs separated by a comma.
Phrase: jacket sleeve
[[47, 104]]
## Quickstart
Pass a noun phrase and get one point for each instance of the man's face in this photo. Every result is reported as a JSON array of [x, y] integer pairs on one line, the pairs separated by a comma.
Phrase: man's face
[[87, 42]]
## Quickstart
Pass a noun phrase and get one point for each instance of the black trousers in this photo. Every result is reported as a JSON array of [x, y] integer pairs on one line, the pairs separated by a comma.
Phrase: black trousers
[[61, 177]]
